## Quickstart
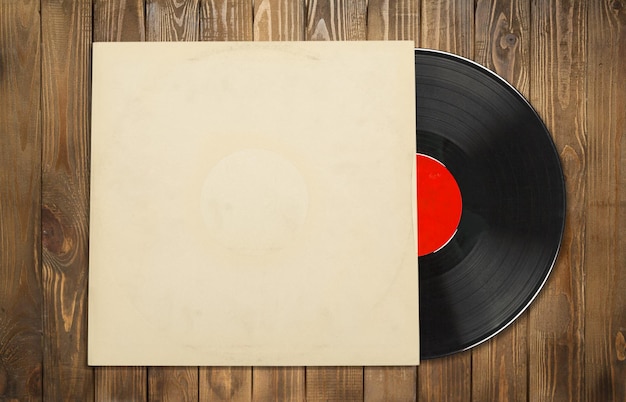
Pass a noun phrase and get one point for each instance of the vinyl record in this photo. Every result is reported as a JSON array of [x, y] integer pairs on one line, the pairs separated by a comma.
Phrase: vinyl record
[[485, 267]]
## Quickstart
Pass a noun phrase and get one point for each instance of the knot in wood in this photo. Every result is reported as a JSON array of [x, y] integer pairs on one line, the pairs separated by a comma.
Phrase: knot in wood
[[617, 5], [52, 236], [225, 385], [620, 346], [511, 39]]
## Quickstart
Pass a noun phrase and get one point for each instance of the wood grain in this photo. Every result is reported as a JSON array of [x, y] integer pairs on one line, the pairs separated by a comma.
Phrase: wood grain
[[334, 384], [222, 20], [336, 20], [66, 63], [21, 351], [500, 366], [568, 56], [278, 384], [605, 286], [390, 384], [446, 379], [502, 29], [173, 384], [393, 20], [121, 384], [119, 20], [279, 20], [447, 26], [225, 20], [502, 39], [168, 383], [219, 384], [557, 90], [172, 20]]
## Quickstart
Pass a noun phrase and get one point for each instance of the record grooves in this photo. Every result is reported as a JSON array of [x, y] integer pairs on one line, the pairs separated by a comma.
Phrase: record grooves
[[513, 211]]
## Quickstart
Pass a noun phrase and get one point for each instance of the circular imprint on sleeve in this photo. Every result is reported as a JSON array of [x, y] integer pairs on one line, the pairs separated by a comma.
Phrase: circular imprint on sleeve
[[254, 202]]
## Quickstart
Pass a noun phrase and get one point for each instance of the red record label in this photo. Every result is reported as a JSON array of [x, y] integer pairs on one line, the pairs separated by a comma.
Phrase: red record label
[[439, 205]]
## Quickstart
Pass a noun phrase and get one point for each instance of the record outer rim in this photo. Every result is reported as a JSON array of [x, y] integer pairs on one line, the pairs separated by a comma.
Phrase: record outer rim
[[489, 74]]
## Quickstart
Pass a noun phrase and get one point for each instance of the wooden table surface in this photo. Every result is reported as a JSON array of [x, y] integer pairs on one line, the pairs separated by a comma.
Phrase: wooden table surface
[[567, 57]]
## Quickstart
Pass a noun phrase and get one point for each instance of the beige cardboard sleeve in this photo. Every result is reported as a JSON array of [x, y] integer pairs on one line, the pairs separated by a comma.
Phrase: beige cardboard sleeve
[[253, 204]]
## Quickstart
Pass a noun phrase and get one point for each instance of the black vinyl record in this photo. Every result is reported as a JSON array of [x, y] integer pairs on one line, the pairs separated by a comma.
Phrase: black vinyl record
[[513, 202]]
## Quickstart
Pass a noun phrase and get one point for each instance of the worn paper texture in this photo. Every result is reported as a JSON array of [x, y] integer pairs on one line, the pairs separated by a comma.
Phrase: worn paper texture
[[253, 204]]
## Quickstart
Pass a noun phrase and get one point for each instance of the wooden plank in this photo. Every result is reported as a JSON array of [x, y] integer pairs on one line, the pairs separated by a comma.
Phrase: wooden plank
[[334, 384], [502, 40], [605, 268], [173, 384], [557, 89], [393, 20], [20, 202], [447, 26], [221, 384], [119, 20], [279, 20], [278, 384], [66, 63], [445, 379], [336, 20], [390, 384], [501, 365], [172, 20], [123, 384], [502, 29], [222, 20], [225, 20]]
